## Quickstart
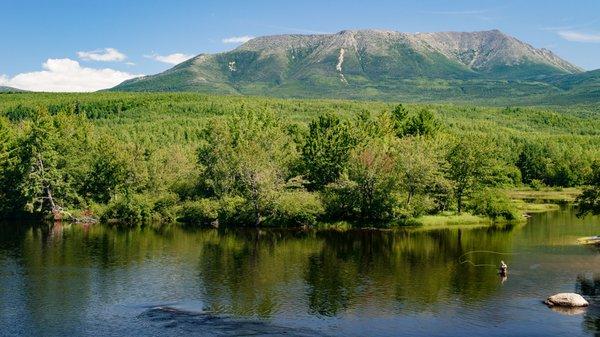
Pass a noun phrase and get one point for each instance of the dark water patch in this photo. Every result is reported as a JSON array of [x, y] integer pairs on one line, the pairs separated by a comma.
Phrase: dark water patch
[[205, 324]]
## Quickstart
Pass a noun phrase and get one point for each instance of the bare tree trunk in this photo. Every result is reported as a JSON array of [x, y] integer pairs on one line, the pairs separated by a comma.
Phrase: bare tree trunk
[[48, 191], [50, 199]]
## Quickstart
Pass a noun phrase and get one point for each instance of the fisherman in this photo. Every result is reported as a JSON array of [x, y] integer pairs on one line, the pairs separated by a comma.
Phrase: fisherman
[[503, 269]]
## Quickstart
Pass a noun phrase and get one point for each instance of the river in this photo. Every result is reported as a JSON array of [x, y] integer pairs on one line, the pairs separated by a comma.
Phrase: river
[[75, 280]]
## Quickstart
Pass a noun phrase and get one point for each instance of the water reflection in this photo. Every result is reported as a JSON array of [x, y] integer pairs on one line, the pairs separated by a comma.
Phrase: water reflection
[[589, 287], [56, 280]]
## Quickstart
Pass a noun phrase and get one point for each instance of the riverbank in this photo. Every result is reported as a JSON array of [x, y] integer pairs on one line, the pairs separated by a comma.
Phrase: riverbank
[[526, 201]]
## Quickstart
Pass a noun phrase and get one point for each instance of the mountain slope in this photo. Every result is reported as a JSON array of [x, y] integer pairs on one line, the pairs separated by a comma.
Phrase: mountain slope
[[370, 64], [9, 89]]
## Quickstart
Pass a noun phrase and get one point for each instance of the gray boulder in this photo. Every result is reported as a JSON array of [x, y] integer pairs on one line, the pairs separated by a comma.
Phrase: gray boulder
[[566, 300]]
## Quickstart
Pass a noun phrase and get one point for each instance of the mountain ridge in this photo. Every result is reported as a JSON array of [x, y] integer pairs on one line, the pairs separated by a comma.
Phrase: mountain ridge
[[4, 88], [370, 63]]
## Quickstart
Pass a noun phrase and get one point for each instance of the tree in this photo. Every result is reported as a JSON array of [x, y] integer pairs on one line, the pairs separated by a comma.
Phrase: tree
[[247, 155], [420, 166], [399, 114], [47, 160], [471, 167], [39, 165], [533, 162], [326, 151], [9, 199], [107, 173], [370, 188], [423, 123], [589, 200]]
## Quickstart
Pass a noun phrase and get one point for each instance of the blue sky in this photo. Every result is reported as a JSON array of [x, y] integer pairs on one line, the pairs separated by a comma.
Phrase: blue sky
[[93, 43]]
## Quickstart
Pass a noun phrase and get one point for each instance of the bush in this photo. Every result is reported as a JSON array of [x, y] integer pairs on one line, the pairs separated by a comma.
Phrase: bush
[[235, 210], [536, 184], [164, 208], [129, 209], [296, 208], [493, 204], [199, 212], [420, 205]]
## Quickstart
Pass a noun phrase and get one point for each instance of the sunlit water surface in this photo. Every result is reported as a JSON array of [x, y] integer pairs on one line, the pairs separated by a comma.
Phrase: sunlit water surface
[[74, 280]]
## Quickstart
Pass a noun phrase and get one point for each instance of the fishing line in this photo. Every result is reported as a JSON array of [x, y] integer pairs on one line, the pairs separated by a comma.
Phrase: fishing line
[[463, 261]]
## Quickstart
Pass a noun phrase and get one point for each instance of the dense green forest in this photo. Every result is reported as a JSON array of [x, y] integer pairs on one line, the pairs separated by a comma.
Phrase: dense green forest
[[134, 158]]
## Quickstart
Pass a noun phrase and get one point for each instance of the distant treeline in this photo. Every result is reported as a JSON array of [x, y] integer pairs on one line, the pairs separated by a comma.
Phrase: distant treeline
[[245, 161]]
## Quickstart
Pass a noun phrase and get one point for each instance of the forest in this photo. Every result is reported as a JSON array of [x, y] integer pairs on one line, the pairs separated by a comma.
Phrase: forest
[[142, 158]]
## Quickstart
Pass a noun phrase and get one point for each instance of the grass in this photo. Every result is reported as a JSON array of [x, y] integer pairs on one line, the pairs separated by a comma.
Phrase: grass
[[528, 200], [451, 219], [545, 195], [529, 207], [426, 222]]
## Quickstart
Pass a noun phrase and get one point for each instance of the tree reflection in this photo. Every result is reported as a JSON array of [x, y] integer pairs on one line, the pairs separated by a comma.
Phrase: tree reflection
[[590, 288], [417, 269], [262, 272]]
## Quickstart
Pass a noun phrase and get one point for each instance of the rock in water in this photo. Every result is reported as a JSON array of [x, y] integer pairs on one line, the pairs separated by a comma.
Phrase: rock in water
[[567, 300]]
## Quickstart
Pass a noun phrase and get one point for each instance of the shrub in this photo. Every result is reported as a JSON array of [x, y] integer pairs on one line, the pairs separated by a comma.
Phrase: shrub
[[536, 184], [235, 210], [296, 208], [164, 208], [199, 212], [420, 205], [129, 209]]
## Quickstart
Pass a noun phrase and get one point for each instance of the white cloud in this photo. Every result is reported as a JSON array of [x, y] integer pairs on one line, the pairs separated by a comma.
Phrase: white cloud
[[103, 55], [237, 39], [66, 75], [175, 58], [579, 37]]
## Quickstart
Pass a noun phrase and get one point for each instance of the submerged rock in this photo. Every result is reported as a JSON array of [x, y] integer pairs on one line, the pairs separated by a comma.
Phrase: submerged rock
[[180, 322], [570, 300]]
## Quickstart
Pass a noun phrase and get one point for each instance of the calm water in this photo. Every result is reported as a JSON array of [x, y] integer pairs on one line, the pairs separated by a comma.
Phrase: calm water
[[98, 281]]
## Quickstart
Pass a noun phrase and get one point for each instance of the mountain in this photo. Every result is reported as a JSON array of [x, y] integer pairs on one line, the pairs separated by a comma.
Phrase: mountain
[[372, 64], [9, 89], [582, 87]]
